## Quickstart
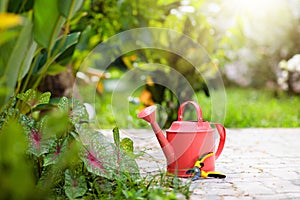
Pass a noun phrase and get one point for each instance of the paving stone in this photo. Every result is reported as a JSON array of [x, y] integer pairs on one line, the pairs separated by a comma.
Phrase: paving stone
[[283, 186], [282, 196], [199, 191], [254, 187], [285, 173], [296, 181], [259, 164], [206, 197], [236, 198]]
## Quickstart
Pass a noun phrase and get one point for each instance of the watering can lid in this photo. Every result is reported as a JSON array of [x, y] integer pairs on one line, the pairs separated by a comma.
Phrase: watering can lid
[[189, 126]]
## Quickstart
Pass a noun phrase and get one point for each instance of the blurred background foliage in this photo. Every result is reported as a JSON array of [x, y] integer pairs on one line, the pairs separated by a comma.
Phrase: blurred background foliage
[[245, 40]]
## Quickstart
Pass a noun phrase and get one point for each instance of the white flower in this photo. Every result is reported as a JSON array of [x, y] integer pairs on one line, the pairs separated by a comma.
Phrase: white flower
[[285, 86], [280, 81], [283, 64], [293, 63], [292, 66], [284, 74], [298, 68]]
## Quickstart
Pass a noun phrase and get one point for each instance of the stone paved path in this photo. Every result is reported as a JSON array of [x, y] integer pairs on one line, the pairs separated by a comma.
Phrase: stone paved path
[[259, 164]]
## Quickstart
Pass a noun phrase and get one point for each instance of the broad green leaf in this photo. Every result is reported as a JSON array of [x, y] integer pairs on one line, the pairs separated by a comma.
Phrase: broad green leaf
[[13, 61], [66, 57], [68, 7], [99, 156], [39, 144], [75, 186], [60, 47], [47, 22], [104, 158], [27, 60]]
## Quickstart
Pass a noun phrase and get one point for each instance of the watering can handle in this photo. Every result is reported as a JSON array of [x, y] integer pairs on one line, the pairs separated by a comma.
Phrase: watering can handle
[[222, 133], [198, 109], [220, 128]]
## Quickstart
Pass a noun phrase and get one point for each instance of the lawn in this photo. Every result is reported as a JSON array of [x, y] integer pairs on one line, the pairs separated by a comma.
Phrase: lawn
[[244, 108], [259, 108]]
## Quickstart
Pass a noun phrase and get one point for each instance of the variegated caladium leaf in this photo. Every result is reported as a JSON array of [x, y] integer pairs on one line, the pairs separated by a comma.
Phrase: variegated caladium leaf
[[104, 158]]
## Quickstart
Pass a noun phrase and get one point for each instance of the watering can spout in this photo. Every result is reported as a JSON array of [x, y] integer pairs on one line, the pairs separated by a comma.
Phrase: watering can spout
[[148, 114]]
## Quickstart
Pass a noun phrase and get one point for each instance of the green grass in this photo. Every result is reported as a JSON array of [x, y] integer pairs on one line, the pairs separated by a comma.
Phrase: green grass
[[259, 108], [245, 108]]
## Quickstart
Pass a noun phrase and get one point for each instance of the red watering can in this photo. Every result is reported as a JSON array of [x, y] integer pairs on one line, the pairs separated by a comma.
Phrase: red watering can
[[186, 140]]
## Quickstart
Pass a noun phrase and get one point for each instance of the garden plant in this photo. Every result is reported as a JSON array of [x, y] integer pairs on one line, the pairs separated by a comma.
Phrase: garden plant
[[48, 142]]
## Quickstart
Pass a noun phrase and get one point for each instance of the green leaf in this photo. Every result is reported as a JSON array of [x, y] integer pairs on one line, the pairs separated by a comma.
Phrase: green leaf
[[16, 52], [14, 163], [8, 35], [39, 144], [56, 123], [3, 93], [127, 145], [12, 142], [27, 60], [3, 5], [58, 49], [28, 96], [79, 113], [104, 158], [68, 7], [44, 98], [116, 135], [30, 93], [74, 186], [98, 157], [56, 69], [64, 104], [20, 6], [33, 98], [47, 22], [53, 158], [69, 41]]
